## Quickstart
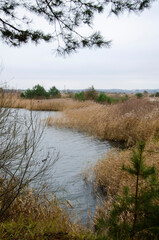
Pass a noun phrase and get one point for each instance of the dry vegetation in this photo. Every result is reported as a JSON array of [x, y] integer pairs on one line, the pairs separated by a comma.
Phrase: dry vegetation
[[127, 122], [111, 179], [15, 101], [27, 215], [108, 170], [34, 216]]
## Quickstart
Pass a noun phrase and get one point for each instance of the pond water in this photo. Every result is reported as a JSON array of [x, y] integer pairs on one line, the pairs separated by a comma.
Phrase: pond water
[[75, 151]]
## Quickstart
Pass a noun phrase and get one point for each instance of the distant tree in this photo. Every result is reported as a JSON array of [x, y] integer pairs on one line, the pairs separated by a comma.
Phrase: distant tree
[[157, 94], [37, 92], [54, 92], [66, 18], [139, 95], [91, 94], [28, 94], [124, 98], [22, 95], [102, 97], [80, 96]]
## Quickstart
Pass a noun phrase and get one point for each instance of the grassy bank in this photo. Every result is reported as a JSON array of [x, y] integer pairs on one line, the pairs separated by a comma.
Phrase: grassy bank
[[126, 122], [15, 101], [108, 170]]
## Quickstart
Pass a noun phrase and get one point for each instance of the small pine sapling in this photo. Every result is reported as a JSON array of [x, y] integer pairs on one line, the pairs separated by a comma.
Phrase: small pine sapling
[[135, 215]]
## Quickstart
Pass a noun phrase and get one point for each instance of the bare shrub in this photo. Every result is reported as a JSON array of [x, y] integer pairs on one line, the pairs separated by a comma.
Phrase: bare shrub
[[22, 160]]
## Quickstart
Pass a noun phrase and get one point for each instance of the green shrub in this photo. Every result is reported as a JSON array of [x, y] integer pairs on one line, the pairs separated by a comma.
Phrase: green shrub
[[29, 93], [37, 92], [22, 95], [80, 96], [112, 100], [124, 98], [157, 94], [102, 97], [139, 95], [54, 92]]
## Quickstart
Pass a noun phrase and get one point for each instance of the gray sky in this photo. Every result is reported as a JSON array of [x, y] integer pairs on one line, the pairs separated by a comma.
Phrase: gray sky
[[132, 62]]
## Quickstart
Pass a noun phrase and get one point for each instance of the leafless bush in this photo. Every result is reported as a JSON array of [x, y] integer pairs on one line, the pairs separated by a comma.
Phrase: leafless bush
[[22, 159]]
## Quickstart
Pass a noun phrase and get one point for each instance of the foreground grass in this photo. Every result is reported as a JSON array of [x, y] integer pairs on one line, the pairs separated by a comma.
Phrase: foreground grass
[[34, 217], [133, 213]]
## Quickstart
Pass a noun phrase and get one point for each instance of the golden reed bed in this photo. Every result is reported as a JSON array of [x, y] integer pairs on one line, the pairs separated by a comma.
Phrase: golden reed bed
[[59, 104], [128, 122]]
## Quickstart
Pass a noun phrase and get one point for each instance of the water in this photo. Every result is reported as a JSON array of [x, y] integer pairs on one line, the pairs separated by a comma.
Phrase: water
[[75, 151]]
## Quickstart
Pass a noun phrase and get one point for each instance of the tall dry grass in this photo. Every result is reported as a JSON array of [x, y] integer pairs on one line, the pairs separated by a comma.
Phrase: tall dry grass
[[110, 178], [127, 122], [13, 100], [36, 216]]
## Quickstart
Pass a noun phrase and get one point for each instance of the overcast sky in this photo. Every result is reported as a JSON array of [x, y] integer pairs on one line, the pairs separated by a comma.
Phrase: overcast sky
[[132, 62]]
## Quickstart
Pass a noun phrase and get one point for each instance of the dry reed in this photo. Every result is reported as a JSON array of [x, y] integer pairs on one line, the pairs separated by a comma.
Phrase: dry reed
[[110, 178], [127, 122], [34, 216], [60, 104]]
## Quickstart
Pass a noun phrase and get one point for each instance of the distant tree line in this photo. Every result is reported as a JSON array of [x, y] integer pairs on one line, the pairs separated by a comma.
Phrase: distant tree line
[[92, 94], [39, 92], [155, 94]]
